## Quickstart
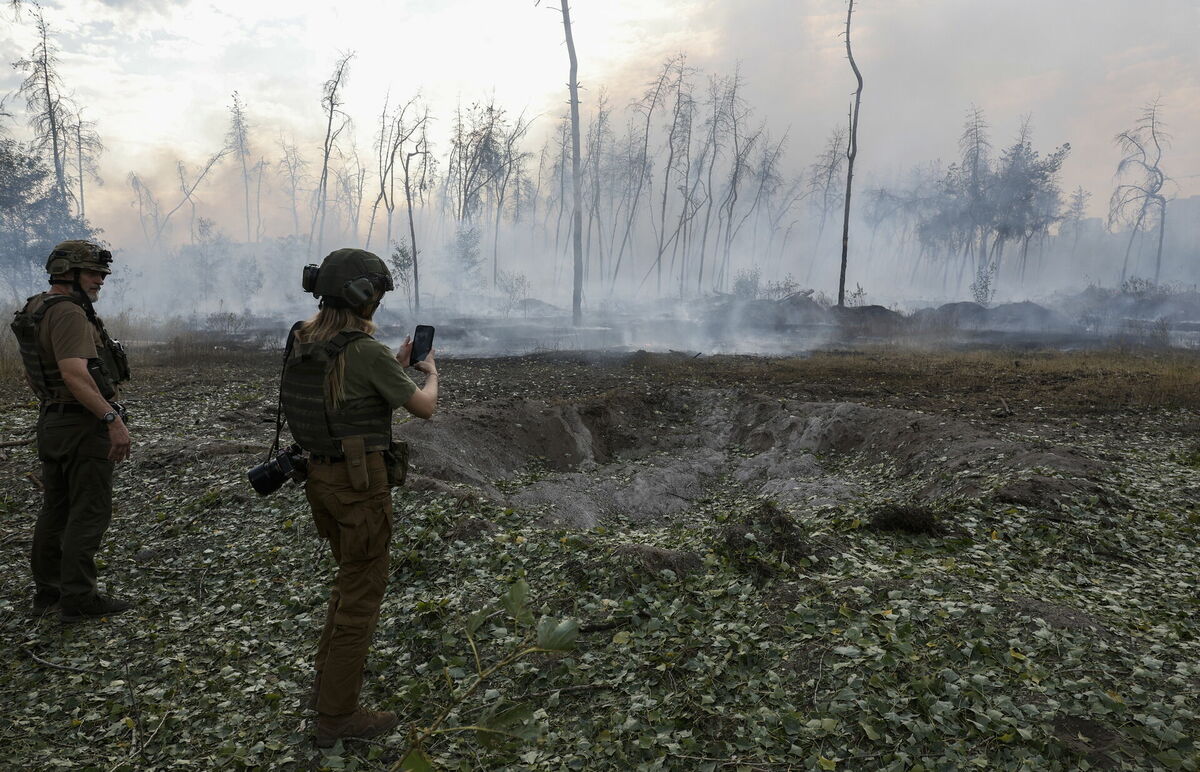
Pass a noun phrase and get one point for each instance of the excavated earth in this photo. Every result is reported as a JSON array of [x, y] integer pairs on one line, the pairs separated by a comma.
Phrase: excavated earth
[[650, 456], [1028, 518]]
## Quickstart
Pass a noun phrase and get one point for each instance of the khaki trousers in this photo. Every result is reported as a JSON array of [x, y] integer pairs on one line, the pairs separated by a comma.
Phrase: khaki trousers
[[77, 505], [358, 525]]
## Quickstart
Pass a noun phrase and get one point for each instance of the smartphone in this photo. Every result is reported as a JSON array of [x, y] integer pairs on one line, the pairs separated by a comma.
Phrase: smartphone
[[422, 343]]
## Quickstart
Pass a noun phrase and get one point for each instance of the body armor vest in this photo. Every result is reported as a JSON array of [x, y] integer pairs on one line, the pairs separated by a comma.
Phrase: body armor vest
[[109, 368], [317, 426]]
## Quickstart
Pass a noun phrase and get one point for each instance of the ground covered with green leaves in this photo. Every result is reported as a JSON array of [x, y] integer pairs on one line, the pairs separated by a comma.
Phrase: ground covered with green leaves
[[1011, 585]]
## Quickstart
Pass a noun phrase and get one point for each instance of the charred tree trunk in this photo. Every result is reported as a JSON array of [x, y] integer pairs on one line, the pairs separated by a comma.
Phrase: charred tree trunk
[[851, 153], [577, 192]]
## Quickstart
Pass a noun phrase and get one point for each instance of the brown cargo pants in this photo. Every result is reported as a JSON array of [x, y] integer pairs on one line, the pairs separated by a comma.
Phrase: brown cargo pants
[[358, 525], [77, 507]]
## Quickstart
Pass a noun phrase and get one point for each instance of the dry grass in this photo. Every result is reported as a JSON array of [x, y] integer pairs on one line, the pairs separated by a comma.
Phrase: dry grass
[[1095, 380]]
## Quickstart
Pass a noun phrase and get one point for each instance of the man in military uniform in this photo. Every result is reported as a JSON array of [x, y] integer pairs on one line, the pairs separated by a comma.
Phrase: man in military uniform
[[73, 367], [339, 389]]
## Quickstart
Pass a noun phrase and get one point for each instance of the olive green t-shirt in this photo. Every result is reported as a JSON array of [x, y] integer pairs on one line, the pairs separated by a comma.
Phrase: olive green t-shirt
[[371, 368]]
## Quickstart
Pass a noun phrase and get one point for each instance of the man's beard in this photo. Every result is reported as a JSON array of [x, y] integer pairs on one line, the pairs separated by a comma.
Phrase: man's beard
[[92, 295]]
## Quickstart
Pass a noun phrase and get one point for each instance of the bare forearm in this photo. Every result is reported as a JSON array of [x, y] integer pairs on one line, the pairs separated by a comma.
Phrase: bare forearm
[[423, 402], [83, 388]]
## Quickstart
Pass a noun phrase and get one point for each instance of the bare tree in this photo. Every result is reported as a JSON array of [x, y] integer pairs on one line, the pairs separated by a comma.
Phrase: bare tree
[[475, 157], [640, 162], [511, 166], [1076, 212], [851, 153], [292, 166], [154, 223], [336, 121], [88, 147], [576, 182], [416, 181], [824, 182], [49, 110], [679, 138], [1142, 200], [238, 141]]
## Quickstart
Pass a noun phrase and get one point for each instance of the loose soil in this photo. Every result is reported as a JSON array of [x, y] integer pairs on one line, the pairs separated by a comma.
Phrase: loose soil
[[840, 487]]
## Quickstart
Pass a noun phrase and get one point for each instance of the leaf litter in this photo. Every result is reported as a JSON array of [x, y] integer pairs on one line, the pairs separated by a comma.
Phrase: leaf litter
[[761, 580]]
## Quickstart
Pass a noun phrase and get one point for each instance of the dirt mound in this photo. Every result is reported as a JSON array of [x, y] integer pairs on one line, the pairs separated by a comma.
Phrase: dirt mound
[[500, 438], [649, 457], [907, 518], [869, 320], [964, 315], [766, 541], [651, 560], [1025, 317]]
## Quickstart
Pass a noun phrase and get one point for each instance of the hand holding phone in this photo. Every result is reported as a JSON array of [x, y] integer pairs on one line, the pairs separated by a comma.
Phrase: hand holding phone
[[422, 344]]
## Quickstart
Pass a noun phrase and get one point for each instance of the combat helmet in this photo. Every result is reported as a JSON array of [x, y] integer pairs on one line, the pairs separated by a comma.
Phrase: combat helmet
[[78, 254], [348, 278]]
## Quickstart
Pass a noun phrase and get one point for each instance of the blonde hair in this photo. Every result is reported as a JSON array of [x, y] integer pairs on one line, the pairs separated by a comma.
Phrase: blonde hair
[[326, 324]]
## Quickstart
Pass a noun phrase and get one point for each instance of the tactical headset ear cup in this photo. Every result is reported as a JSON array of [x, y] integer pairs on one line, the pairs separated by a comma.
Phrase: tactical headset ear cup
[[58, 265], [308, 280], [358, 292]]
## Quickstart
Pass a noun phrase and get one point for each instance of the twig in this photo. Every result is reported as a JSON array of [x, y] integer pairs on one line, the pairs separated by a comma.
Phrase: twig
[[561, 689], [36, 480], [138, 745], [154, 734], [17, 443], [56, 666], [734, 762]]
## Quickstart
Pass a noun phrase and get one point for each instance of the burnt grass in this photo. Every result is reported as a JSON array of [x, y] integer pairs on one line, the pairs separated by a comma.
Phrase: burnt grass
[[869, 558]]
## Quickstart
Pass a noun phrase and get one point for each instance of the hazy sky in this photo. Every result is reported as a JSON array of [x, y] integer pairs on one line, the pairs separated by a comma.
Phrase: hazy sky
[[156, 75]]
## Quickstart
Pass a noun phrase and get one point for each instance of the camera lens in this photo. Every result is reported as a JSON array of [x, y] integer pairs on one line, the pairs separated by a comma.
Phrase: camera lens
[[266, 478]]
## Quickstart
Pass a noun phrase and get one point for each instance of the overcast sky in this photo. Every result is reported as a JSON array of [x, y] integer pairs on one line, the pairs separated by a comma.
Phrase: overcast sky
[[156, 75]]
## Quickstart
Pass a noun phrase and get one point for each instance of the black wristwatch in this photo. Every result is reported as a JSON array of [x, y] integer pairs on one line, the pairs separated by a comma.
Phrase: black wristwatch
[[109, 417]]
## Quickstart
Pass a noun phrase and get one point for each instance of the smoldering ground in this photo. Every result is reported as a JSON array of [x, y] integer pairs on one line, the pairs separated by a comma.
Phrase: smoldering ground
[[1002, 531]]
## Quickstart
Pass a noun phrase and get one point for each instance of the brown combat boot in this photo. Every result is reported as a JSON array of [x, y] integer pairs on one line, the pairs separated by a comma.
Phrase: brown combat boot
[[361, 723]]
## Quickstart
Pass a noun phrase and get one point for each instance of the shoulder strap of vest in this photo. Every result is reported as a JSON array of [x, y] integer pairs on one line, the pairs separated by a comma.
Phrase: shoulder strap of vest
[[337, 344], [49, 302]]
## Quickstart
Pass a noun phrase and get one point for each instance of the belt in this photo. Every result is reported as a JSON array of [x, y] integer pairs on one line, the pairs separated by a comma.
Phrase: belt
[[327, 459], [65, 407]]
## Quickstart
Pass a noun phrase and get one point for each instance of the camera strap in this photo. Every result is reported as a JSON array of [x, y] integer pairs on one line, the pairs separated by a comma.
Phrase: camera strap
[[287, 352]]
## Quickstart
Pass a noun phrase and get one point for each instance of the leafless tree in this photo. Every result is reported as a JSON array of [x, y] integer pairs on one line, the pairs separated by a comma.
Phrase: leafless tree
[[679, 138], [293, 168], [238, 141], [88, 147], [1141, 200], [640, 162], [576, 182], [476, 142], [851, 154], [511, 169], [1076, 212], [154, 223], [824, 182], [48, 108], [416, 181], [742, 144], [599, 137], [336, 122]]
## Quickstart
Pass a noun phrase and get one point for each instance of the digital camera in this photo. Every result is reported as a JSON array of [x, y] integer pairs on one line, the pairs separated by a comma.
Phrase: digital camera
[[268, 476]]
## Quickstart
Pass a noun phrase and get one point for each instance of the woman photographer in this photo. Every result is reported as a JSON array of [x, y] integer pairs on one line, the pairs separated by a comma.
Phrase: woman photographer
[[339, 389]]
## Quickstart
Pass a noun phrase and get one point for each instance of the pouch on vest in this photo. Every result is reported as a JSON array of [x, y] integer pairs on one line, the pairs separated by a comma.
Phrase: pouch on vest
[[99, 373], [120, 359], [355, 451], [396, 459]]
